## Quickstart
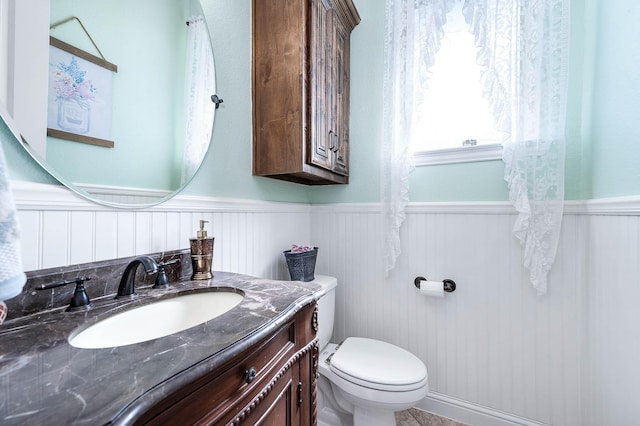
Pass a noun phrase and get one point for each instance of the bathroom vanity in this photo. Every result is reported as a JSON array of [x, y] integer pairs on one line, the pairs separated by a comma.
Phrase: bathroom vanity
[[256, 363], [272, 381]]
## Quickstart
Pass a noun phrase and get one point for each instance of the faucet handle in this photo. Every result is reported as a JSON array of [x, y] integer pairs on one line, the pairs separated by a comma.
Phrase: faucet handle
[[80, 300], [162, 280], [61, 283], [171, 262]]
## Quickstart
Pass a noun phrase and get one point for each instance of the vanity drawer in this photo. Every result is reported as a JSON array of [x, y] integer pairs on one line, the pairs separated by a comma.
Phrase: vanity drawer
[[217, 397]]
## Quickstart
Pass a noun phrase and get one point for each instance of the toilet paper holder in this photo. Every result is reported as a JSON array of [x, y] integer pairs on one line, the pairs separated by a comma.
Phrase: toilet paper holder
[[449, 285]]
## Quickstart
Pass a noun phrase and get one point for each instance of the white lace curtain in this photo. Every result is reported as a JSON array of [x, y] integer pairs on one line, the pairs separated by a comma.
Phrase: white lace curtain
[[523, 50], [413, 35], [200, 85]]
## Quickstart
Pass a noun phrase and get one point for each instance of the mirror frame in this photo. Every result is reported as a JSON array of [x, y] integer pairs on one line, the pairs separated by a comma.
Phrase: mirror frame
[[13, 128], [20, 140]]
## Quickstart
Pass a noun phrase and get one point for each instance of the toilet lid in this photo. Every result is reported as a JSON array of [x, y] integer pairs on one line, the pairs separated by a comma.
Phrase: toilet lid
[[378, 365]]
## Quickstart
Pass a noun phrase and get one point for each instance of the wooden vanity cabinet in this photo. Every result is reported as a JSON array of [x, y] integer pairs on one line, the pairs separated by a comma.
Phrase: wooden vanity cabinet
[[272, 382], [300, 81]]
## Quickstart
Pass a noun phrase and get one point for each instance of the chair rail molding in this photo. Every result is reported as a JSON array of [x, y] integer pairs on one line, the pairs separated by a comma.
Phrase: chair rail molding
[[39, 196]]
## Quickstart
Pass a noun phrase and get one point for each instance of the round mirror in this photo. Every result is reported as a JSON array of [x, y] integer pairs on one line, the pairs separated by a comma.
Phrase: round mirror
[[131, 98]]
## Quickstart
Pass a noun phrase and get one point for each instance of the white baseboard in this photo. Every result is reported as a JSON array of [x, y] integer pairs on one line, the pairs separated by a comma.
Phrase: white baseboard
[[471, 414]]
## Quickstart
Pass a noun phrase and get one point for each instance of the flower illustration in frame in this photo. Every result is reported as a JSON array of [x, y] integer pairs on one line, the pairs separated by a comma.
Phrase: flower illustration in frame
[[80, 90]]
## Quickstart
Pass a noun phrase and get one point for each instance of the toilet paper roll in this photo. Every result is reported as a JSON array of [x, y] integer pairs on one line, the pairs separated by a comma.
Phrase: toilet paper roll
[[432, 288]]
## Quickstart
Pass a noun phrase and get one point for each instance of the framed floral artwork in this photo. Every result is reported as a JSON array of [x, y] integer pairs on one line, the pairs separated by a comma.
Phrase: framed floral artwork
[[80, 95]]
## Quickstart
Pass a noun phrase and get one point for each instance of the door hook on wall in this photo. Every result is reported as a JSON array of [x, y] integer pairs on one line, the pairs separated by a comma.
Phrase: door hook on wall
[[216, 100]]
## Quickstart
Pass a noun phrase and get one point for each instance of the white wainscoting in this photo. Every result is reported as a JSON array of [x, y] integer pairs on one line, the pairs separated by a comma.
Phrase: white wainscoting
[[497, 354], [612, 375], [59, 228]]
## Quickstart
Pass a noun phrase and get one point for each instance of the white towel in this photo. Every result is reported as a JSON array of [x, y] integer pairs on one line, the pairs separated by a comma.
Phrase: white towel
[[12, 278]]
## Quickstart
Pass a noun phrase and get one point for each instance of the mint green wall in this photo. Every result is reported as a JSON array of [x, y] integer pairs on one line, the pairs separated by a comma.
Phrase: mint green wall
[[615, 129], [226, 171], [480, 181], [227, 168], [602, 147], [148, 90]]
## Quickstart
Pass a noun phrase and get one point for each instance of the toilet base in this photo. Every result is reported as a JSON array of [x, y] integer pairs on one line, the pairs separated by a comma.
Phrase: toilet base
[[327, 416], [330, 413], [342, 412], [330, 417], [369, 417]]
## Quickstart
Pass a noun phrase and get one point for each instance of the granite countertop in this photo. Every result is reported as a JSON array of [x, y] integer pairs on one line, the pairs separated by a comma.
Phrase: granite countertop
[[45, 380]]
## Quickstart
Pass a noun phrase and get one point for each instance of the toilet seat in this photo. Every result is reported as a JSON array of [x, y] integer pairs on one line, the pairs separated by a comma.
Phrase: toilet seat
[[378, 365]]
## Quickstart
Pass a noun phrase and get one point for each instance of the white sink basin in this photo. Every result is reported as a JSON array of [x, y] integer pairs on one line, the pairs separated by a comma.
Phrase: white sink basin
[[157, 319]]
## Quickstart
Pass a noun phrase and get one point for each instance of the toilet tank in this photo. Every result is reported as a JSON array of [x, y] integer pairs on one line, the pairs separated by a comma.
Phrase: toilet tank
[[326, 307]]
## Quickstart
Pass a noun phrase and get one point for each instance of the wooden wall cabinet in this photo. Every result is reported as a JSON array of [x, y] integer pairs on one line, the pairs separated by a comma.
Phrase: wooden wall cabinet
[[272, 382], [300, 82]]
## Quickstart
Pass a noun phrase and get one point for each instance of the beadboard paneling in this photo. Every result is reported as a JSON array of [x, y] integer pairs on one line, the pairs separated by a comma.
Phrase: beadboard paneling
[[612, 373], [59, 229], [493, 342]]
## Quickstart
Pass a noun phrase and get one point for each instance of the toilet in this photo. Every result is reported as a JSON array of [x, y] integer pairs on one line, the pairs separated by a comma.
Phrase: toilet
[[362, 381]]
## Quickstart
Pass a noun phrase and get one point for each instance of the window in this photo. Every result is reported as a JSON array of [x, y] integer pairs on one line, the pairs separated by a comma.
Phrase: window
[[455, 123], [525, 54]]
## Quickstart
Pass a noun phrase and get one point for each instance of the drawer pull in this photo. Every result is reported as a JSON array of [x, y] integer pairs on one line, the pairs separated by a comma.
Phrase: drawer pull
[[250, 374]]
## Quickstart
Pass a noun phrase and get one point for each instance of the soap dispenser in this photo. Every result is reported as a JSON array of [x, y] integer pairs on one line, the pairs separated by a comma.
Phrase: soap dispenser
[[201, 254]]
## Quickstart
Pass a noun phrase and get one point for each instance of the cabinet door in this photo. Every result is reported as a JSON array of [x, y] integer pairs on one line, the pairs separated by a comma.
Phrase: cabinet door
[[321, 85], [280, 405], [341, 101], [330, 76], [293, 399]]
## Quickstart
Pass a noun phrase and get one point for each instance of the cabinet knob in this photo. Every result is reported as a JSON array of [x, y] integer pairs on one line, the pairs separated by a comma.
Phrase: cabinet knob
[[250, 374]]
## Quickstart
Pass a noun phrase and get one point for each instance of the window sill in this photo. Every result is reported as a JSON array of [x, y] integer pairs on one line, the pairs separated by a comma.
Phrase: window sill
[[466, 154]]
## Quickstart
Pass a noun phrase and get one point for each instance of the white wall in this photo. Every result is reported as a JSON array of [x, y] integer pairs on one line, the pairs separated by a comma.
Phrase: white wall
[[496, 353]]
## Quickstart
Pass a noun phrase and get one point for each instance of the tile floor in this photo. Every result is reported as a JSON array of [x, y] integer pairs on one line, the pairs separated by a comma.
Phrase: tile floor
[[415, 417]]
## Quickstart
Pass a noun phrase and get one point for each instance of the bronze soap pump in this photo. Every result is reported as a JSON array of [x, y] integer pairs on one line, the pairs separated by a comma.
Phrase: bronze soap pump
[[201, 254]]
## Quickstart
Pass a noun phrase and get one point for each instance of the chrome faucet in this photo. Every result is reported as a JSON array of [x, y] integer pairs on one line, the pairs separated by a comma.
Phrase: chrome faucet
[[127, 285]]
